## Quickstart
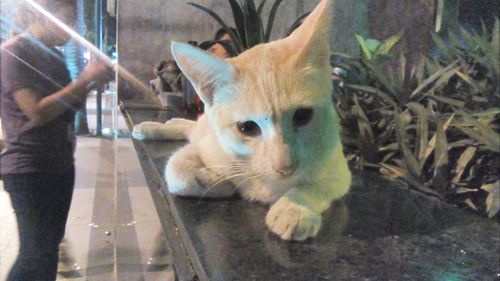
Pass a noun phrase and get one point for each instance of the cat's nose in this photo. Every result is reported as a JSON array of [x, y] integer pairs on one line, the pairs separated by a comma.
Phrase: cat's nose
[[282, 160], [285, 171]]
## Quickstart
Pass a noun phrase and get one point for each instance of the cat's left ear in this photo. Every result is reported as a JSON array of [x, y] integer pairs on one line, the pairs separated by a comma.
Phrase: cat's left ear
[[205, 71], [312, 38]]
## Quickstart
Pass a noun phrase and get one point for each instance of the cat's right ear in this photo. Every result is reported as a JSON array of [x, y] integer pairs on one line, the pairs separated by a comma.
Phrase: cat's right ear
[[312, 38], [205, 71]]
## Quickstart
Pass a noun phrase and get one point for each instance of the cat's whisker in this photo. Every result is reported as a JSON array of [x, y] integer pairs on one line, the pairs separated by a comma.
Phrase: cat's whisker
[[242, 173], [246, 180], [249, 176], [209, 188], [225, 169], [223, 165], [229, 164], [229, 170]]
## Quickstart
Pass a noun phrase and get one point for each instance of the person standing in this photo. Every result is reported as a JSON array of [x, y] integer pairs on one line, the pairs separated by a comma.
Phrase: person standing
[[38, 101]]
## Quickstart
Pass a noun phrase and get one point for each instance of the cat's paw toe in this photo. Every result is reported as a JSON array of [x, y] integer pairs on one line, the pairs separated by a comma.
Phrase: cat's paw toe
[[291, 221], [138, 132]]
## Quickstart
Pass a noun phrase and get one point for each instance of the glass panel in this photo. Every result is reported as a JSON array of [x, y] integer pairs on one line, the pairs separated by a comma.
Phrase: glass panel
[[414, 91]]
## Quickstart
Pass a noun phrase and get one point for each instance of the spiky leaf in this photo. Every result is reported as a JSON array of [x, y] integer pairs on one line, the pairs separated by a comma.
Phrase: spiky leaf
[[404, 144], [493, 200], [422, 131], [462, 162], [234, 38], [449, 101], [270, 20], [239, 20], [495, 47], [432, 142], [386, 46], [296, 23], [363, 121], [392, 171], [447, 71], [364, 47], [488, 112], [484, 134], [253, 24], [372, 90], [440, 178]]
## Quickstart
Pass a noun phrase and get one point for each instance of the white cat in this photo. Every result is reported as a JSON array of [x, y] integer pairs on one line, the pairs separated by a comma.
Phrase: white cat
[[270, 131]]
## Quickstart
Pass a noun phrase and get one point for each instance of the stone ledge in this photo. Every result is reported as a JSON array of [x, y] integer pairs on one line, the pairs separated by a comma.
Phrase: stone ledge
[[379, 231]]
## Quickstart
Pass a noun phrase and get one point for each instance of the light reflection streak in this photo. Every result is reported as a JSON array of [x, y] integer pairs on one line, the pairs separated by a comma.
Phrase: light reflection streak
[[32, 39], [42, 74], [31, 125], [93, 49]]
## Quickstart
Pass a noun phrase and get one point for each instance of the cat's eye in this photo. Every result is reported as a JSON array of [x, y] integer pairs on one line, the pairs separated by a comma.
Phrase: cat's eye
[[249, 128], [302, 117]]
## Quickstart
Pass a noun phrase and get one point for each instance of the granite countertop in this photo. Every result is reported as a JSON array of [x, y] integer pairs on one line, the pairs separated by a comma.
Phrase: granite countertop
[[380, 231]]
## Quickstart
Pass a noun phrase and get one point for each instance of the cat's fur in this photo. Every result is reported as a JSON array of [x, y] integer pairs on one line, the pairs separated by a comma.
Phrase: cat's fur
[[299, 170]]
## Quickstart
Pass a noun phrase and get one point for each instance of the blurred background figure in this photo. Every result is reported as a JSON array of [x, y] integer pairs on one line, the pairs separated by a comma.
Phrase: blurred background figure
[[38, 101], [219, 48]]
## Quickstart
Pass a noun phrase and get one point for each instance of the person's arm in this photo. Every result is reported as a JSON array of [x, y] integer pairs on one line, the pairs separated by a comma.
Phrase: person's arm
[[41, 110]]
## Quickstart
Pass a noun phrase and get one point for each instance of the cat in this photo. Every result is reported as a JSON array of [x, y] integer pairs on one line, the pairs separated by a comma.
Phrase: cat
[[269, 132]]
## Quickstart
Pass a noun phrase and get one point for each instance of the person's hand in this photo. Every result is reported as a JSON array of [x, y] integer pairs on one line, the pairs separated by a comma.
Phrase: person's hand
[[98, 73]]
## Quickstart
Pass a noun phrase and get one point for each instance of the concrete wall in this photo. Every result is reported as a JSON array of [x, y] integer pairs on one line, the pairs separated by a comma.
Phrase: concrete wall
[[415, 17], [146, 28]]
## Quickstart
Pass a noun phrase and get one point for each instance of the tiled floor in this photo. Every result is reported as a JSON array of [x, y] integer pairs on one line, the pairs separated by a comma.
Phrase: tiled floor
[[113, 231]]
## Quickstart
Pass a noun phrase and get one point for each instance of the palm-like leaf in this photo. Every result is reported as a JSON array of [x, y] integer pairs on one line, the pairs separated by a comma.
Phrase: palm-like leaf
[[441, 97], [248, 21], [253, 24], [239, 21], [386, 46], [364, 47], [270, 20], [234, 38], [296, 23]]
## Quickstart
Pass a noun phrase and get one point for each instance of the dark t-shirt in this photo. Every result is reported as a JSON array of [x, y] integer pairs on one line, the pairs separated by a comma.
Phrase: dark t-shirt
[[26, 63]]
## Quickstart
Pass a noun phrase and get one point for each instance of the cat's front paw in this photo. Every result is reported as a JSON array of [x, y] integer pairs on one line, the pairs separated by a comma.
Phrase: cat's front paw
[[292, 221], [145, 130]]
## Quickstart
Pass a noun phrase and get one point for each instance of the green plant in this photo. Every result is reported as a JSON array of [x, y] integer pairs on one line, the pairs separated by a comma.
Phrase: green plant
[[373, 49], [248, 23], [433, 124], [477, 89], [478, 59]]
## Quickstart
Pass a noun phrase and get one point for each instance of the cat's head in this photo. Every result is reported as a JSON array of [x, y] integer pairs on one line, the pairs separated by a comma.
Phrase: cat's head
[[271, 104]]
